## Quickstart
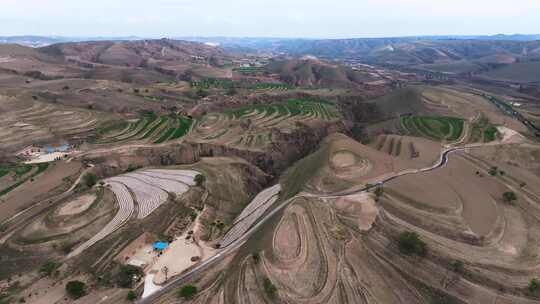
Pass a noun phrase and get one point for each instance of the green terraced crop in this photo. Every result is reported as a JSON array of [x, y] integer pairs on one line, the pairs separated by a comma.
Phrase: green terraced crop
[[436, 127], [165, 135], [148, 120], [162, 120], [183, 128]]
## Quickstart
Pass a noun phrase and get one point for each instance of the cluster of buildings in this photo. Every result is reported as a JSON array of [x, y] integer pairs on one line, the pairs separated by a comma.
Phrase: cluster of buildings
[[44, 153]]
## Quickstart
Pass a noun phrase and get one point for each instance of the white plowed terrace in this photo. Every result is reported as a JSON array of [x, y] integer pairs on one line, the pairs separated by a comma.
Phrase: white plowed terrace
[[126, 208], [259, 205], [147, 189]]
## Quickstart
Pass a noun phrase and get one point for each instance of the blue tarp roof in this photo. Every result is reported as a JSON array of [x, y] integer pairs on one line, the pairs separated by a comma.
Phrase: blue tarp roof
[[160, 245]]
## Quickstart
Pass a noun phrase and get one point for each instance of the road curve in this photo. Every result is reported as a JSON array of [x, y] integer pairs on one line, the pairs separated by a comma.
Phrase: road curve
[[183, 278]]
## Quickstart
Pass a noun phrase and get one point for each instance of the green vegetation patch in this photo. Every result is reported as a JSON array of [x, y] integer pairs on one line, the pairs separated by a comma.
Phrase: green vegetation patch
[[483, 131], [214, 83], [433, 127], [250, 70], [162, 120], [49, 268], [187, 291], [183, 128], [409, 243], [75, 289], [41, 167], [269, 288], [151, 126], [19, 170]]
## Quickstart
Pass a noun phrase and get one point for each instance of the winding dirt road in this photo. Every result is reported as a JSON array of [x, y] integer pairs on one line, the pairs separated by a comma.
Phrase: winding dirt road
[[182, 279]]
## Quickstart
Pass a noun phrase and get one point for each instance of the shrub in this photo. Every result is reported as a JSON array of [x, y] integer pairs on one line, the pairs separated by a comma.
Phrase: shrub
[[256, 257], [127, 274], [509, 197], [187, 291], [379, 191], [48, 268], [410, 244], [493, 171], [200, 179], [76, 289], [534, 285], [269, 288], [89, 179], [457, 266], [131, 296]]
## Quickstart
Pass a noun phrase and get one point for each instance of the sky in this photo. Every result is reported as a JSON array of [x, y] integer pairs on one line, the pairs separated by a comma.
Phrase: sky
[[268, 18]]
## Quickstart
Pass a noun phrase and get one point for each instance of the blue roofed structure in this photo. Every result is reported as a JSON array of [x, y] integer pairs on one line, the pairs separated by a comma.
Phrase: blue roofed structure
[[160, 246]]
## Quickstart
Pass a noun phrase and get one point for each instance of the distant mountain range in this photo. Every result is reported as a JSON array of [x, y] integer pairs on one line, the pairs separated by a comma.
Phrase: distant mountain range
[[507, 57], [39, 41], [247, 42]]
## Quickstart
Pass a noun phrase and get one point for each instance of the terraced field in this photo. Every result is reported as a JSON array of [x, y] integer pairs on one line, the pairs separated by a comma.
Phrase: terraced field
[[271, 86], [250, 70], [149, 128], [12, 176], [126, 208], [144, 191], [264, 200], [251, 126], [483, 131], [214, 83], [227, 84], [433, 127], [25, 122]]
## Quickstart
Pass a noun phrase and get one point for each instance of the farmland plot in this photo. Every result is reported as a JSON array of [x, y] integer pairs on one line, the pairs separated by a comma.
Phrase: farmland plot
[[256, 208], [145, 189]]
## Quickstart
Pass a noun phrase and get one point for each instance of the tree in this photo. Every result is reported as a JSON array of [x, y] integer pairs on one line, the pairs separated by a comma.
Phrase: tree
[[165, 271], [509, 197], [410, 244], [534, 285], [131, 296], [127, 274], [89, 179], [76, 289], [48, 268], [200, 179], [187, 291]]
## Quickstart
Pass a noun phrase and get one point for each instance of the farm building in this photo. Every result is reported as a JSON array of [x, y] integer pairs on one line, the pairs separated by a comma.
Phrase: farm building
[[160, 246], [28, 151], [62, 148]]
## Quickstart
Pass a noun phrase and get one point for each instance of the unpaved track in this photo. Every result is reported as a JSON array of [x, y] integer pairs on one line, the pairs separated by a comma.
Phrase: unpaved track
[[442, 161]]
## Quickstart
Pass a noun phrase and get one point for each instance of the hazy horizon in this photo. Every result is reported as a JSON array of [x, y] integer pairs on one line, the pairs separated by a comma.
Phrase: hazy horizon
[[263, 18]]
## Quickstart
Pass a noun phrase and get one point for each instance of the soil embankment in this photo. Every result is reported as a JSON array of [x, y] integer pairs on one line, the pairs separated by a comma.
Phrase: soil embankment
[[285, 150]]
